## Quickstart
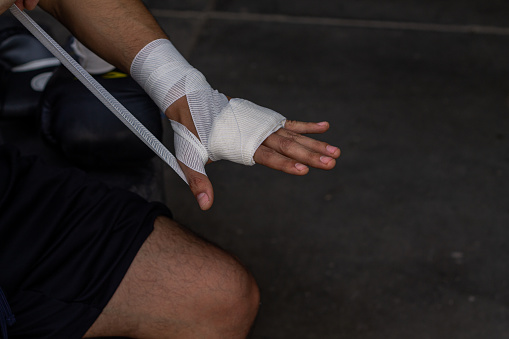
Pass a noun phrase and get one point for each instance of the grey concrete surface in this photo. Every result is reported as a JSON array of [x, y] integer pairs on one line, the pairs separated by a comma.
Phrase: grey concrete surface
[[435, 11], [407, 236]]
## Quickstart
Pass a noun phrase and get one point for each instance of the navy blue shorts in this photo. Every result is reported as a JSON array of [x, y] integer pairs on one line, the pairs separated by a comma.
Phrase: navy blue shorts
[[66, 242]]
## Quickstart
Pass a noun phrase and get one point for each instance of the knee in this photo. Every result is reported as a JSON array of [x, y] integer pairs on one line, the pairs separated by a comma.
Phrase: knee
[[208, 291], [234, 298], [245, 299]]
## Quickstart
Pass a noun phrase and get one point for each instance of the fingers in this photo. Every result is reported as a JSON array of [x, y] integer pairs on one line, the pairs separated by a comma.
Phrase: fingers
[[309, 143], [268, 157], [22, 4], [306, 127], [30, 4], [291, 148], [201, 187], [302, 149], [288, 151]]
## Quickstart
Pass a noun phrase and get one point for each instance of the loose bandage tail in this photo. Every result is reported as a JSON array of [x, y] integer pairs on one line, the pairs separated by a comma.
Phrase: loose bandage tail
[[227, 129]]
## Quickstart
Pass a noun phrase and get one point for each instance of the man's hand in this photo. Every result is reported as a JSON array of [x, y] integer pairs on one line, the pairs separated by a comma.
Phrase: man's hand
[[118, 30], [286, 150], [22, 4], [289, 151]]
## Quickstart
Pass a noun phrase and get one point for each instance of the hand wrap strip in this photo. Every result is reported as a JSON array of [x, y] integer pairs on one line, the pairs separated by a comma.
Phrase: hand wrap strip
[[231, 130]]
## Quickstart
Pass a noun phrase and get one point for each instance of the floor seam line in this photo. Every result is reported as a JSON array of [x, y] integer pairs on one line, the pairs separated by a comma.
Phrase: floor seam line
[[336, 22]]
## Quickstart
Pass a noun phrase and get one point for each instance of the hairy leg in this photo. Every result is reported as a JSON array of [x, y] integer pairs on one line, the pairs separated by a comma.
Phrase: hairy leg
[[180, 286]]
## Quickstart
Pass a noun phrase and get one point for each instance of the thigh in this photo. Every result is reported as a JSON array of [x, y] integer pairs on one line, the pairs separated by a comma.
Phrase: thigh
[[179, 285]]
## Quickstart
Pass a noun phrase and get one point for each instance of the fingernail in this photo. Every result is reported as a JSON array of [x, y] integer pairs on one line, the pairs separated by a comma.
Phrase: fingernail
[[300, 166], [325, 159], [331, 149], [203, 199], [323, 123]]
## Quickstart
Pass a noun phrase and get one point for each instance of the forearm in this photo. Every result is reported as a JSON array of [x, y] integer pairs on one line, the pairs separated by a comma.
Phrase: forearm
[[115, 29]]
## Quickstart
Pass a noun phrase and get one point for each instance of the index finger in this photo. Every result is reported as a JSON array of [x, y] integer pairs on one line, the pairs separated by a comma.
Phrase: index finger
[[306, 127]]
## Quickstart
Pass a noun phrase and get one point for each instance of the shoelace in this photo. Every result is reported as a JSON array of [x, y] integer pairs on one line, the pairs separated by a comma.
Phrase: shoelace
[[6, 316]]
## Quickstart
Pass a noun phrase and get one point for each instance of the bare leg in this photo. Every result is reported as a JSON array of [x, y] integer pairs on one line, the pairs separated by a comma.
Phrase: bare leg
[[180, 286]]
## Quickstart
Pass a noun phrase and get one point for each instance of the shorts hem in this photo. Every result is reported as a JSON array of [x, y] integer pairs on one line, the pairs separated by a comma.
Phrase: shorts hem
[[122, 269]]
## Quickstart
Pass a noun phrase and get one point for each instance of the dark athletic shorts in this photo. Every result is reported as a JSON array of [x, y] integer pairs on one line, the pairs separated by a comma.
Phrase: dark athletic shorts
[[66, 242]]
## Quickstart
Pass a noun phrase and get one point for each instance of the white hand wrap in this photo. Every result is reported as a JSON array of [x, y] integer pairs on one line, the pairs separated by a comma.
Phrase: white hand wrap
[[231, 130]]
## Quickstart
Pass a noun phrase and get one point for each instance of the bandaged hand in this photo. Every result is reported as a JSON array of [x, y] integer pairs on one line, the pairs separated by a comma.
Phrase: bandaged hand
[[286, 150], [209, 126]]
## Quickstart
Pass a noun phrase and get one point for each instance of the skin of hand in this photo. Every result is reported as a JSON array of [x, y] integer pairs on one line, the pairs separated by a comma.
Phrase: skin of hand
[[22, 4], [117, 30], [286, 150]]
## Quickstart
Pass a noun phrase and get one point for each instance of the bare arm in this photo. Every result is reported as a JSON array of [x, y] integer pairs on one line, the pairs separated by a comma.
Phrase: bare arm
[[116, 30]]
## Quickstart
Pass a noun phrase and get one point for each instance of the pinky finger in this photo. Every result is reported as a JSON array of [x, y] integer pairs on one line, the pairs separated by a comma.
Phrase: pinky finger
[[272, 159]]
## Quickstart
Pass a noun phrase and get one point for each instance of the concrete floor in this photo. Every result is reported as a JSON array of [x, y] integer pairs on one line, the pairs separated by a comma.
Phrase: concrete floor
[[407, 236]]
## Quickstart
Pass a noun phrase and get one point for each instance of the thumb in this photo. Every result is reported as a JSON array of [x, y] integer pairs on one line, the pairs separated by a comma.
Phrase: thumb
[[200, 185]]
